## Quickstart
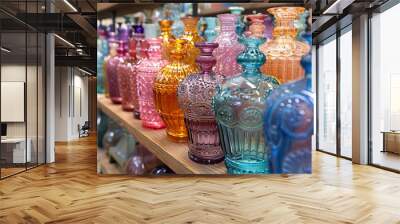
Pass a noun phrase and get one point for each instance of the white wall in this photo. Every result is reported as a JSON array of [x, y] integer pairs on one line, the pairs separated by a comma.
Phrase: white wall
[[71, 94]]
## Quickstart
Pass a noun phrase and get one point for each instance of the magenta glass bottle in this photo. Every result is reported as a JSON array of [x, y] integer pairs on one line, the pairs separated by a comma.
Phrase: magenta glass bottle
[[147, 70], [195, 93], [112, 75], [127, 78], [228, 47]]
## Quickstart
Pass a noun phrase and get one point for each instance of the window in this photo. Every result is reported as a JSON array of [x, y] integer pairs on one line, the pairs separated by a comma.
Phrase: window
[[346, 93], [385, 89], [327, 96]]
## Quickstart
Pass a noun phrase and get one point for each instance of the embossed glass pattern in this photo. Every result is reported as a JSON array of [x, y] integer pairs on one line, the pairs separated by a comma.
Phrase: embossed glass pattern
[[288, 124], [284, 52], [147, 70], [127, 78], [165, 90], [195, 94], [228, 47], [112, 44], [112, 75], [239, 105]]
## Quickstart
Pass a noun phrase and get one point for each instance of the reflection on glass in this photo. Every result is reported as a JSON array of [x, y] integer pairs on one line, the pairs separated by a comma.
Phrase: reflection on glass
[[327, 97], [385, 84], [346, 94], [13, 84]]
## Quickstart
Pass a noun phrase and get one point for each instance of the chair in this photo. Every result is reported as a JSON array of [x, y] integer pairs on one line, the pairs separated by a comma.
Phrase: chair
[[84, 130]]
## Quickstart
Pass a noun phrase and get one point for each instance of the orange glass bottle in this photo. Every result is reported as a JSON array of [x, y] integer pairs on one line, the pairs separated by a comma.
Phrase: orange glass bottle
[[192, 36], [165, 90], [166, 36], [284, 52]]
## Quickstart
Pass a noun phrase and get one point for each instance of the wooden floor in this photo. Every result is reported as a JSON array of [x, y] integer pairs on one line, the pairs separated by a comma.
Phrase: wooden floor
[[70, 191]]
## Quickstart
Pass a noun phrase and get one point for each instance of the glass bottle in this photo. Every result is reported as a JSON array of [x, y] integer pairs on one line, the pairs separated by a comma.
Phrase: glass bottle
[[301, 25], [240, 25], [112, 74], [239, 104], [166, 36], [228, 47], [102, 52], [284, 51], [289, 123], [147, 70], [165, 90], [126, 72], [257, 27], [210, 33], [112, 44], [269, 27], [192, 36], [195, 93]]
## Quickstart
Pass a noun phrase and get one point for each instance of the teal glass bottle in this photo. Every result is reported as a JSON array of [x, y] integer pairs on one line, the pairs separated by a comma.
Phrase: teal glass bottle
[[239, 105], [210, 33], [289, 123]]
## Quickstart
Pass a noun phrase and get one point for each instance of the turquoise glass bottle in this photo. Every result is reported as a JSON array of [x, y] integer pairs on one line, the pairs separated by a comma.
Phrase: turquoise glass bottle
[[239, 105], [210, 33], [289, 123]]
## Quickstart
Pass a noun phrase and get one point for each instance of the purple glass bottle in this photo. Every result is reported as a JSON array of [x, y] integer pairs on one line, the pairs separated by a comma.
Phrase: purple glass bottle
[[229, 48], [195, 93], [112, 75], [147, 70]]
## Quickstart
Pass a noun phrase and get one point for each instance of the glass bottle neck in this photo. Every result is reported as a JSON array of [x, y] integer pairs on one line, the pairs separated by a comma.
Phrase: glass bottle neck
[[284, 27], [206, 65]]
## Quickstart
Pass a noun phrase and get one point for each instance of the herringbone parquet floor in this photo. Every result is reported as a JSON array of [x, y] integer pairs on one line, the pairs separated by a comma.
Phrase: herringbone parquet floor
[[70, 191]]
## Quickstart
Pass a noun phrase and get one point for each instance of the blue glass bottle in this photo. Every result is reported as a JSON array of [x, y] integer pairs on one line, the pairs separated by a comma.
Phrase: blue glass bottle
[[288, 123], [239, 105], [210, 33]]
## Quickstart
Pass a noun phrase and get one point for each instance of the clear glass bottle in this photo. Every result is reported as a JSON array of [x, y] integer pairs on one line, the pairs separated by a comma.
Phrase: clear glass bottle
[[126, 72], [289, 123], [112, 75], [228, 47], [166, 36], [284, 52], [195, 93], [192, 36], [210, 32], [147, 70], [165, 90], [239, 104]]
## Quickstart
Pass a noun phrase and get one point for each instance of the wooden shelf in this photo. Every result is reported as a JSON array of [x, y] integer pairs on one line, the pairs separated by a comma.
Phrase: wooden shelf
[[174, 155]]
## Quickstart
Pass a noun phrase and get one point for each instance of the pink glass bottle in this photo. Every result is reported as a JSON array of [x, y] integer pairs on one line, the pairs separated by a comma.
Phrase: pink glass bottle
[[195, 93], [127, 78], [229, 48], [112, 75], [147, 70], [141, 54]]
